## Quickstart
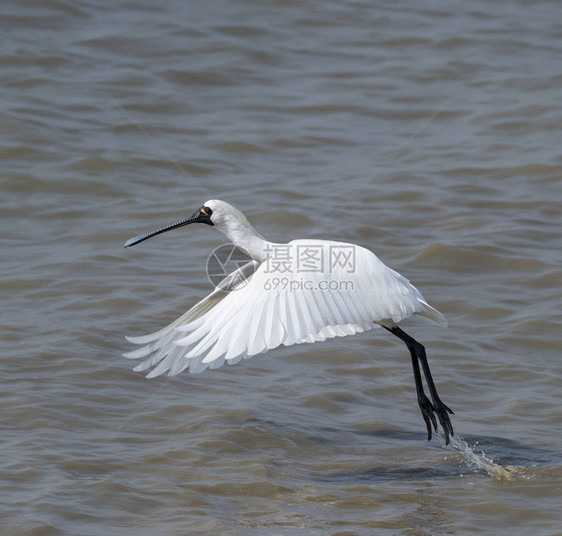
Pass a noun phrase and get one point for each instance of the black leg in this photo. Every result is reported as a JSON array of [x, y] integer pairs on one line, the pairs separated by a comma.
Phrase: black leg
[[417, 353]]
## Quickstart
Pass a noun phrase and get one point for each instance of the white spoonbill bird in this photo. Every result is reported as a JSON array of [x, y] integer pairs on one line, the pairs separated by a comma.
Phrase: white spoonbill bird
[[302, 291]]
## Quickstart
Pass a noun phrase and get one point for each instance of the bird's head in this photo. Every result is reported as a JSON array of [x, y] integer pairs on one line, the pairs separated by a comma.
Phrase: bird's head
[[214, 212]]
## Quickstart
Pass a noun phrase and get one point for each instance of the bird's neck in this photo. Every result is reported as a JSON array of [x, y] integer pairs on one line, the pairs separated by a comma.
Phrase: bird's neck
[[248, 240]]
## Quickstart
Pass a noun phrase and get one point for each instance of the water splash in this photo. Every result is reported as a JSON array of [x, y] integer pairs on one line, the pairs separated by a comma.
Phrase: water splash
[[483, 462]]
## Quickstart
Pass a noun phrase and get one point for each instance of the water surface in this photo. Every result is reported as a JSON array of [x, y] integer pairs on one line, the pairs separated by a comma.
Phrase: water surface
[[436, 125]]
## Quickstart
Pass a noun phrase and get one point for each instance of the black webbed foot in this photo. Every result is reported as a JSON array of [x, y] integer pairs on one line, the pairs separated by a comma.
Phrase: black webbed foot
[[443, 415], [427, 411], [430, 411]]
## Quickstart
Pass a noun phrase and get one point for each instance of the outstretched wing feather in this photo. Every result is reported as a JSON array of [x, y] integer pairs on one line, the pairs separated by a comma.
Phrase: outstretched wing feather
[[257, 316]]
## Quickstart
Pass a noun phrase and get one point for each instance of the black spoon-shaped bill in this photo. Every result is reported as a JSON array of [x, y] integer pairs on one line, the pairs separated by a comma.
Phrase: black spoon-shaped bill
[[200, 216]]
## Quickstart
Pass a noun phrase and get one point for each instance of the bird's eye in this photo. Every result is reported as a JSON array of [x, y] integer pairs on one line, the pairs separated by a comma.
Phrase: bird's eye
[[207, 211]]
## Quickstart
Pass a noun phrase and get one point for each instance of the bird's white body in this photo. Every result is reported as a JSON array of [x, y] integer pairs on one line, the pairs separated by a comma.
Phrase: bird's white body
[[303, 291]]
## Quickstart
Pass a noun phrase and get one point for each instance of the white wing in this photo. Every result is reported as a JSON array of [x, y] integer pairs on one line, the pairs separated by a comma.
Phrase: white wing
[[283, 307]]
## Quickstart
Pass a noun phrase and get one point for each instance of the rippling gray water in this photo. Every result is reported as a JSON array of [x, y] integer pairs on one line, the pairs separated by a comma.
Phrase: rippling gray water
[[436, 123]]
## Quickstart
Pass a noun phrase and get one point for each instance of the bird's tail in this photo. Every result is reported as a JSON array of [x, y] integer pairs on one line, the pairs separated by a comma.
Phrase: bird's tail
[[433, 314]]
